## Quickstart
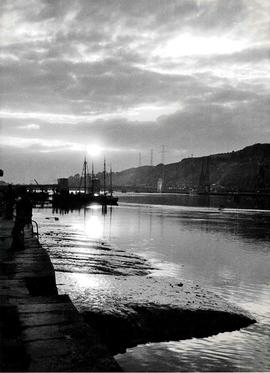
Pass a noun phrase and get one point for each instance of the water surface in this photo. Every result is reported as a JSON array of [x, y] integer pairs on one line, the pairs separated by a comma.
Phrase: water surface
[[224, 251]]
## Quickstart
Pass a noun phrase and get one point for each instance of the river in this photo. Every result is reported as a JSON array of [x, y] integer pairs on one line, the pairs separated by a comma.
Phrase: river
[[224, 250]]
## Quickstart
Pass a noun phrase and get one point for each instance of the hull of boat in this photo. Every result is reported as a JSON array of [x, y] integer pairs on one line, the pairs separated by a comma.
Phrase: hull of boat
[[79, 200]]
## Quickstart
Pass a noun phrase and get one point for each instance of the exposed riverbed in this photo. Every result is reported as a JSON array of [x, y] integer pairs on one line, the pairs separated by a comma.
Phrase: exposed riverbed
[[225, 252]]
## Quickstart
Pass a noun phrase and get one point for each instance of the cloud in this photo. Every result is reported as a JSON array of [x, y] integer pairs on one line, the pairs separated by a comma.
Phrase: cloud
[[38, 144], [31, 126], [130, 75]]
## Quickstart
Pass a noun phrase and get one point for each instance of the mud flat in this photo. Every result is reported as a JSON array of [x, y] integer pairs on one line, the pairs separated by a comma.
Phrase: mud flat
[[132, 310]]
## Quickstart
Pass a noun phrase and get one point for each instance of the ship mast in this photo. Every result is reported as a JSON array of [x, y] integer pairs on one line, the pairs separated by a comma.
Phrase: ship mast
[[92, 177], [83, 176], [84, 172], [104, 176], [111, 190]]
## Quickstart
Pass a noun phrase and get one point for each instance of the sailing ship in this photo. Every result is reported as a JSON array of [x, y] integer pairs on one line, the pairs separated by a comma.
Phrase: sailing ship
[[105, 198], [89, 193]]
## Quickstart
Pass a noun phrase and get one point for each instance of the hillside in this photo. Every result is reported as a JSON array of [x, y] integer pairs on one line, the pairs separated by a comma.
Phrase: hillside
[[246, 170]]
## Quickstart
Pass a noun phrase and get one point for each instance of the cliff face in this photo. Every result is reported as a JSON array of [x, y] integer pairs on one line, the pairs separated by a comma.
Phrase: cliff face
[[247, 169]]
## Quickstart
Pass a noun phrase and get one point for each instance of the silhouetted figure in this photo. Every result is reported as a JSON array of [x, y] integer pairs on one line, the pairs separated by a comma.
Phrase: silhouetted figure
[[9, 200], [23, 217]]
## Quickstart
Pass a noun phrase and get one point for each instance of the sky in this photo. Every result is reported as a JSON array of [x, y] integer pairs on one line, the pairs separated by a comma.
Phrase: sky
[[117, 78]]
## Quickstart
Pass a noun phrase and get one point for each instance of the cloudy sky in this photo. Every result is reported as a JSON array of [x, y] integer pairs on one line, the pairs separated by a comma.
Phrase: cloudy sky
[[119, 77]]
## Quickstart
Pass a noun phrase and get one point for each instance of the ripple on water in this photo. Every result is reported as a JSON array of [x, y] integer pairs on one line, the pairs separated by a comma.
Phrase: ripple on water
[[222, 352], [245, 350]]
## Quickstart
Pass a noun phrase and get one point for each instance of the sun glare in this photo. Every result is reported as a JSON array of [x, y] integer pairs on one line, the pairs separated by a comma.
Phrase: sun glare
[[94, 150], [189, 45], [94, 227]]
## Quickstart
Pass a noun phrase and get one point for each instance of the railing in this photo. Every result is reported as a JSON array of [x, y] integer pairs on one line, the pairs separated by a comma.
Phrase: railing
[[36, 225]]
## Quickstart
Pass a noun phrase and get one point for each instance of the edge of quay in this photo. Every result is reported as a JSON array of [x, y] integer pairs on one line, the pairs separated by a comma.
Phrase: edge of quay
[[39, 329]]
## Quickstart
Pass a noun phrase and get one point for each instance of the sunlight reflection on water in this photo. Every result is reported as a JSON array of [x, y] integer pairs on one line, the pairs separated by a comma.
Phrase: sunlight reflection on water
[[224, 251]]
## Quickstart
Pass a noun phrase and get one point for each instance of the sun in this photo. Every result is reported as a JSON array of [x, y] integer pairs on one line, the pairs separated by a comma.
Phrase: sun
[[94, 150]]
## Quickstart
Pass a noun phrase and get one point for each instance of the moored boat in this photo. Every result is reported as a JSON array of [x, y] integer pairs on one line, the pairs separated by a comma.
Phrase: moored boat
[[90, 193]]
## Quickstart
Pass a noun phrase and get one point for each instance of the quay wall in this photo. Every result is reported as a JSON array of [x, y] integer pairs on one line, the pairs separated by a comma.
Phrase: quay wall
[[41, 330]]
